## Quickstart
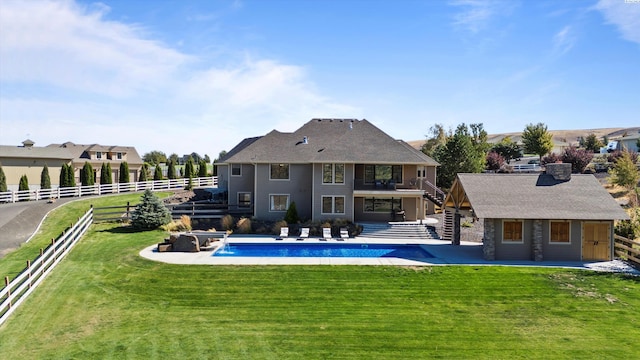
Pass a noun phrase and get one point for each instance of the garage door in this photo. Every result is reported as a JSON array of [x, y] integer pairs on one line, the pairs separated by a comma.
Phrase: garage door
[[596, 241]]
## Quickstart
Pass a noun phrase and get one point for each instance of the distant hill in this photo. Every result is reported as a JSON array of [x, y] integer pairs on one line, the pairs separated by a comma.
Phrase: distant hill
[[560, 137]]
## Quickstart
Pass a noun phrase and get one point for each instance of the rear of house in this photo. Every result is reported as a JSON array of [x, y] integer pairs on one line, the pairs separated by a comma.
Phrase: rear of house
[[332, 169]]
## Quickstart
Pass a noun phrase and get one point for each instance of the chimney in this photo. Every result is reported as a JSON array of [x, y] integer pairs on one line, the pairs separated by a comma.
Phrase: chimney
[[559, 171]]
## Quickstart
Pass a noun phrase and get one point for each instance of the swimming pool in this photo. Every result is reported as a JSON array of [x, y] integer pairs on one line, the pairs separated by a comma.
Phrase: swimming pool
[[405, 251]]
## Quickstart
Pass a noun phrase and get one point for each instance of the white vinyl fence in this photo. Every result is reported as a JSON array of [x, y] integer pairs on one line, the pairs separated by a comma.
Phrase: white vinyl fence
[[17, 290], [98, 189]]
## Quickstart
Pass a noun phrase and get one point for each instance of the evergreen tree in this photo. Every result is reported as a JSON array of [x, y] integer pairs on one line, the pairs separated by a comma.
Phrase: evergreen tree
[[291, 217], [157, 173], [71, 176], [3, 180], [45, 180], [150, 213], [87, 176], [171, 170], [458, 155], [189, 168], [63, 176], [625, 172], [144, 173], [24, 183], [592, 143], [202, 170], [105, 174], [123, 178], [537, 140]]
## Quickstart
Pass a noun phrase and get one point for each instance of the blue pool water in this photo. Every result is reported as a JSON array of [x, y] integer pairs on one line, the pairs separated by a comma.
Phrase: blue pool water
[[406, 251]]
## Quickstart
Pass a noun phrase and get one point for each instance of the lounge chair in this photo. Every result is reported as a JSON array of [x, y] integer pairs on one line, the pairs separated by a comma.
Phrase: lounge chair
[[304, 233], [284, 233], [326, 233], [344, 233]]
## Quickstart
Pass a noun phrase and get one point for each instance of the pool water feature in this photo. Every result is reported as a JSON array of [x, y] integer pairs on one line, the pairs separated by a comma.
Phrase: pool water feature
[[405, 251]]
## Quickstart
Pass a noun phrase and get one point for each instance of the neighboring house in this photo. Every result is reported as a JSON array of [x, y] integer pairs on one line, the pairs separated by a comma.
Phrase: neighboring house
[[550, 216], [629, 142], [30, 160], [97, 154], [332, 169]]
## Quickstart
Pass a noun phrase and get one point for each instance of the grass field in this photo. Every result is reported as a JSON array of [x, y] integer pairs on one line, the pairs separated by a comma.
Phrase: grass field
[[104, 301]]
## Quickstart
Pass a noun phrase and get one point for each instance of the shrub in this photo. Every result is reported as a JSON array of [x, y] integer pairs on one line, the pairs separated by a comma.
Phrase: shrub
[[157, 173], [202, 169], [279, 225], [629, 229], [45, 180], [227, 222], [171, 170], [624, 172], [124, 173], [495, 161], [86, 175], [150, 213], [183, 224], [244, 225], [3, 180], [579, 158], [550, 159], [291, 217], [24, 183]]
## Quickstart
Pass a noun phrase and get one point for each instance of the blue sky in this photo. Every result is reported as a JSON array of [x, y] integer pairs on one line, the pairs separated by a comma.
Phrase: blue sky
[[184, 76]]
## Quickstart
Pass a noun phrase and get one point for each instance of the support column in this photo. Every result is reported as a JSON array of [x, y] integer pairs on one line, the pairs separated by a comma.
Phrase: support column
[[456, 228], [537, 241], [489, 241]]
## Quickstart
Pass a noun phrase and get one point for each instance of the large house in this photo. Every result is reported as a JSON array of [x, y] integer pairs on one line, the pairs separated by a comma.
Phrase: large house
[[332, 169], [30, 160], [550, 216]]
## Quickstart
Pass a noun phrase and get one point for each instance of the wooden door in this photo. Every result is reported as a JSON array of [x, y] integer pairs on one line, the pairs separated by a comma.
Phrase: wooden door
[[596, 241]]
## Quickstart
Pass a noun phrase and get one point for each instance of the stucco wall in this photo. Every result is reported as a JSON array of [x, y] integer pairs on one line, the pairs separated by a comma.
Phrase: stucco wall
[[298, 187]]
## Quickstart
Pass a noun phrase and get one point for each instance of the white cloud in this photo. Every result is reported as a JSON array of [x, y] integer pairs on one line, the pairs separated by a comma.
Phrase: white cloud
[[477, 14], [624, 15], [68, 74], [563, 40]]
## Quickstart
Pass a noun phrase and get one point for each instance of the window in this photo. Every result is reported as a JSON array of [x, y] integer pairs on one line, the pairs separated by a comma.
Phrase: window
[[279, 172], [560, 232], [382, 172], [512, 231], [244, 199], [236, 170], [382, 204], [278, 202], [99, 154], [333, 173], [333, 204]]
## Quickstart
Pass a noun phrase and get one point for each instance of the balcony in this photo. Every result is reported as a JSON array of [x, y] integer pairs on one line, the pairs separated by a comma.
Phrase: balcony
[[387, 187]]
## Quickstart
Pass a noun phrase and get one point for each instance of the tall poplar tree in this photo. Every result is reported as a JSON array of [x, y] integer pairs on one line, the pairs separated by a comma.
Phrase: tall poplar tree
[[124, 173], [45, 180], [86, 175]]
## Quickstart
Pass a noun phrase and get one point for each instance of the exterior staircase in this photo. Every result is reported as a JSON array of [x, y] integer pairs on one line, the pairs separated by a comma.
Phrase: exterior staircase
[[398, 231]]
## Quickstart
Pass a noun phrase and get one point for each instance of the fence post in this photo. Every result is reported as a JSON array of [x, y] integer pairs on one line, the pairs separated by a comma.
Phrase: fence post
[[29, 272], [6, 284]]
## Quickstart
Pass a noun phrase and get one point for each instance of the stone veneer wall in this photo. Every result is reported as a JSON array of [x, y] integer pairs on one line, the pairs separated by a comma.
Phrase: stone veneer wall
[[489, 241], [537, 241]]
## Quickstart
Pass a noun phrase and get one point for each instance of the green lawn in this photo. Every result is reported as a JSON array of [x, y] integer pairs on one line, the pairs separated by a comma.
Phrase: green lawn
[[104, 301], [56, 222]]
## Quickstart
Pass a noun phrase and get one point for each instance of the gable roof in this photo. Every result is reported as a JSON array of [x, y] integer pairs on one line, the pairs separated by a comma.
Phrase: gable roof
[[328, 140], [80, 153], [535, 196], [34, 152]]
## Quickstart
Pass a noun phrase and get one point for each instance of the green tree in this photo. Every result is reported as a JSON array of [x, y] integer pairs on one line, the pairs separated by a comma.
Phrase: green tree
[[45, 180], [24, 183], [87, 176], [144, 173], [537, 140], [196, 157], [479, 137], [189, 168], [291, 217], [207, 159], [105, 174], [625, 172], [154, 157], [171, 170], [157, 173], [123, 177], [150, 213], [437, 138], [508, 149], [67, 177], [3, 180], [63, 176], [592, 143], [202, 169], [458, 155]]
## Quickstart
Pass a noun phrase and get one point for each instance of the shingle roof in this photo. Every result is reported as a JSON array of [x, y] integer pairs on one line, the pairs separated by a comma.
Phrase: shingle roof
[[539, 196], [328, 140], [78, 151], [34, 152]]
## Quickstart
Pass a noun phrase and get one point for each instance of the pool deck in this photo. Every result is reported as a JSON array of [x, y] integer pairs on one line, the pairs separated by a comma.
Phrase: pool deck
[[468, 253]]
